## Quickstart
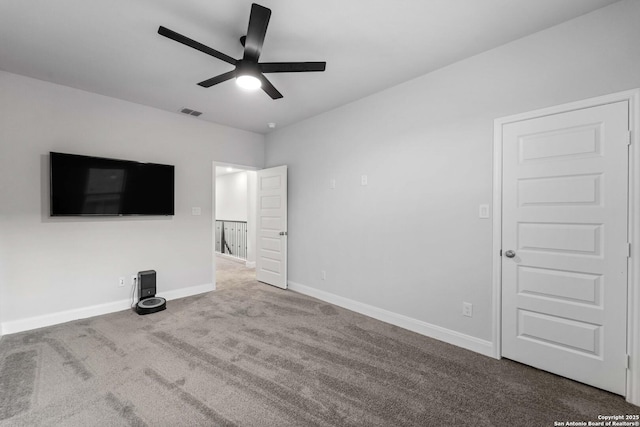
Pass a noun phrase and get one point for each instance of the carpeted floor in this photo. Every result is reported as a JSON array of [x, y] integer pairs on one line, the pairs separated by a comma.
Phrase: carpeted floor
[[253, 355]]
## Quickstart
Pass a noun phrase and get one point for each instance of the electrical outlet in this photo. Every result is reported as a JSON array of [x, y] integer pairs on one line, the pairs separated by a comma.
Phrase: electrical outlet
[[364, 180], [467, 309], [323, 275], [483, 211], [121, 281]]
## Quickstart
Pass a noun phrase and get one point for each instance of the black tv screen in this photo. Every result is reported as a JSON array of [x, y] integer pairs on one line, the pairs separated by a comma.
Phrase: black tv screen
[[84, 185]]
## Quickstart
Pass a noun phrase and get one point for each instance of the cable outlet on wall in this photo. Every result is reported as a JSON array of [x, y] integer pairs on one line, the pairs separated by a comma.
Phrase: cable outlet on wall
[[467, 309], [121, 281], [134, 279]]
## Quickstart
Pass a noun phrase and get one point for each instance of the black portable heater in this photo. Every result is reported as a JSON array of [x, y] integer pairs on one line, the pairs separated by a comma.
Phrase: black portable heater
[[148, 302]]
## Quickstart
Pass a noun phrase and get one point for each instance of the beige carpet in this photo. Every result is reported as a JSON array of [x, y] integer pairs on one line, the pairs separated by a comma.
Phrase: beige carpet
[[253, 355]]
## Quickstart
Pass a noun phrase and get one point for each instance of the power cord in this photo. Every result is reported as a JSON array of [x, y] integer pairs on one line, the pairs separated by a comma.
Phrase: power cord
[[133, 292]]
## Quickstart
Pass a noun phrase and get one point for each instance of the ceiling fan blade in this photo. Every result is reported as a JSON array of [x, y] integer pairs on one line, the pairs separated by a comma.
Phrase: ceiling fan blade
[[196, 45], [258, 22], [269, 88], [218, 79], [292, 67]]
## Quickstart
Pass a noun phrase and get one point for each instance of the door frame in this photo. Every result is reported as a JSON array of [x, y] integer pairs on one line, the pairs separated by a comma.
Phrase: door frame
[[633, 263]]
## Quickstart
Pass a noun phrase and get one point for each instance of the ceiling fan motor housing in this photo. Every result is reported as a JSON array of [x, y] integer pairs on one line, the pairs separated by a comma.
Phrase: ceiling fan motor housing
[[248, 68]]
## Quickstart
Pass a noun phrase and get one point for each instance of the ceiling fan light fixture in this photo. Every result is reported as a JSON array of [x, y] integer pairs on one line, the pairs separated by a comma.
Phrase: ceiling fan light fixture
[[248, 82], [248, 72]]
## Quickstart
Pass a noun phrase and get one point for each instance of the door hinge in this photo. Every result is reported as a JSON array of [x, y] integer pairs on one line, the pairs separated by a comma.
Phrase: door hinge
[[628, 250], [628, 361], [500, 252], [629, 137]]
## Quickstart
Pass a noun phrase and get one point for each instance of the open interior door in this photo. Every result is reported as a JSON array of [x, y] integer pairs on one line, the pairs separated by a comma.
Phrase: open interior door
[[271, 241]]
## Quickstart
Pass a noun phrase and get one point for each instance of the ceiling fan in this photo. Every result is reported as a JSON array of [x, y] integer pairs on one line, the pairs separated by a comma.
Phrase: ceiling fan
[[248, 72]]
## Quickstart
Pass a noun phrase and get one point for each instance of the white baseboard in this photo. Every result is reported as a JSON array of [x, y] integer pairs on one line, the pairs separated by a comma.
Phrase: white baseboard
[[230, 257], [433, 331], [50, 319], [248, 264]]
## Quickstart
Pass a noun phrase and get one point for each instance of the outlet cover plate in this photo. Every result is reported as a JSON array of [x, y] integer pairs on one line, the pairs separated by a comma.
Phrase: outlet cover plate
[[467, 309]]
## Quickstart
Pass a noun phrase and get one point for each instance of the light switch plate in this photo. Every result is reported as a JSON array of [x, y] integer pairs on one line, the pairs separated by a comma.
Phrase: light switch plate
[[483, 211]]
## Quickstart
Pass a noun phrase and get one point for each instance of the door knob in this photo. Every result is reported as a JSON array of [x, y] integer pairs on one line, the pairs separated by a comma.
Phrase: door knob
[[510, 253]]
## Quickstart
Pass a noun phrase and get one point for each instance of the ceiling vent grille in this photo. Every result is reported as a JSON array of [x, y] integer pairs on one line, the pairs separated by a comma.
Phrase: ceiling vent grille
[[190, 112]]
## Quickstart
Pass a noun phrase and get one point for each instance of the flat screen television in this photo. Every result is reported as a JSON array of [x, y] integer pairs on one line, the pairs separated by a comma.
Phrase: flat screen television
[[90, 186]]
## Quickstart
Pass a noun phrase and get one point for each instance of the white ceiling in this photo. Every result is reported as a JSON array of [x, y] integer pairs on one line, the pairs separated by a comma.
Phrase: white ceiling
[[111, 47]]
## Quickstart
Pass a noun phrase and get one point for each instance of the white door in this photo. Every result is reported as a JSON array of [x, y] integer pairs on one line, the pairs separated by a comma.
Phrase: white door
[[271, 242], [564, 292]]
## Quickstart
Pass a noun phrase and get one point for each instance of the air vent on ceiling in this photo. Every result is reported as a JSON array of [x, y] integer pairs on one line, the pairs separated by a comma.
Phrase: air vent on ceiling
[[190, 112]]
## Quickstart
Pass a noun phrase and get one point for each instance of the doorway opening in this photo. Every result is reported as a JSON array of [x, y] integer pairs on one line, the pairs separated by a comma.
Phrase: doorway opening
[[234, 217], [252, 205]]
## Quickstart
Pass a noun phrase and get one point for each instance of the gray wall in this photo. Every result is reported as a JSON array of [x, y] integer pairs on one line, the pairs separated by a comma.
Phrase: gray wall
[[50, 265], [232, 197], [411, 242]]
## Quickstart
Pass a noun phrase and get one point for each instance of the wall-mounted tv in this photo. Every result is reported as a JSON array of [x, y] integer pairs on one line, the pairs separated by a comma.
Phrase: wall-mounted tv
[[90, 186]]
